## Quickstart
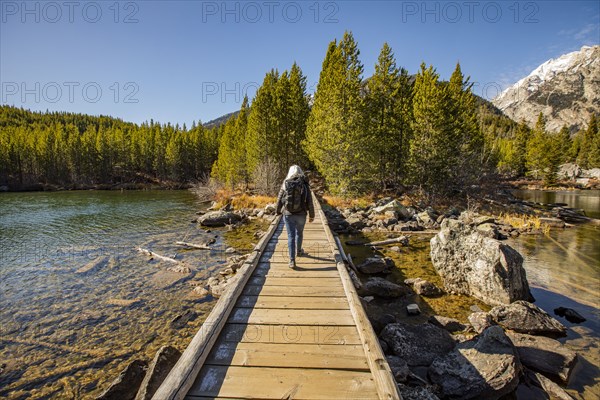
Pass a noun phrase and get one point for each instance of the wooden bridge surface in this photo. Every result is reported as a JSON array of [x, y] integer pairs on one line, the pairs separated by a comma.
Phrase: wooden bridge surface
[[280, 333]]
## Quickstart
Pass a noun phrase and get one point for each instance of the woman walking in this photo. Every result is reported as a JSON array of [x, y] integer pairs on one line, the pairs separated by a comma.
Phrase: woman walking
[[294, 202]]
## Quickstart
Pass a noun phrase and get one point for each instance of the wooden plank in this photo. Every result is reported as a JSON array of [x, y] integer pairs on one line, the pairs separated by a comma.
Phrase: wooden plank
[[300, 271], [289, 355], [291, 317], [182, 375], [295, 281], [299, 303], [283, 383], [297, 291], [312, 334]]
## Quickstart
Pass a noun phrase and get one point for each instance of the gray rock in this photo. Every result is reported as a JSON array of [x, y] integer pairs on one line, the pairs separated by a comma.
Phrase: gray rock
[[449, 324], [126, 385], [486, 367], [570, 314], [593, 173], [382, 288], [416, 393], [395, 206], [413, 309], [545, 355], [417, 344], [472, 264], [376, 265], [480, 321], [524, 317], [399, 368], [427, 217], [164, 360], [219, 218]]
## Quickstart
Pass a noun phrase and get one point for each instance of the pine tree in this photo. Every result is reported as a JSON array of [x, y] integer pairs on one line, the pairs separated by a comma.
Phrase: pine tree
[[432, 151], [335, 138], [466, 139], [589, 153], [565, 143], [298, 115], [387, 118], [262, 139]]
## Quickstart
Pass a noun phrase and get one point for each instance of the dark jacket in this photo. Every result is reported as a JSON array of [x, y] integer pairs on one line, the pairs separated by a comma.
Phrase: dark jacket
[[308, 202]]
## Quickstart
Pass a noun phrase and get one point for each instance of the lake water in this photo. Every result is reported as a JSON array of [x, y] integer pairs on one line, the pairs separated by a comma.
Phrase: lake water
[[65, 334], [563, 269]]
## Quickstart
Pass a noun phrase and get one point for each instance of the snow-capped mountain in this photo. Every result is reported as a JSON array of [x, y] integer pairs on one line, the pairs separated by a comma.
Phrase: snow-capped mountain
[[566, 90]]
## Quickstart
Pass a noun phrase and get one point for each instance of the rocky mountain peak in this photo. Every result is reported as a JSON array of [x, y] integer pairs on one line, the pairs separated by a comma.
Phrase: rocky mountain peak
[[565, 89]]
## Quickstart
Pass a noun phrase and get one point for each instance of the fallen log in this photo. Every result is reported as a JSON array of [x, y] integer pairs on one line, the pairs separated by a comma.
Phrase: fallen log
[[193, 245], [353, 277], [403, 240], [152, 254]]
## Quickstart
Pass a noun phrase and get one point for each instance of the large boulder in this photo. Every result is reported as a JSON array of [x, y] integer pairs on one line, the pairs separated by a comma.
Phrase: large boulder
[[219, 218], [164, 360], [418, 345], [471, 263], [383, 288], [486, 367], [525, 317], [545, 355]]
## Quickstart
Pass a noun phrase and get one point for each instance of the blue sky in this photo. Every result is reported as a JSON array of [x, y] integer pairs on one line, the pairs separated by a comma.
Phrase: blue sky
[[184, 61]]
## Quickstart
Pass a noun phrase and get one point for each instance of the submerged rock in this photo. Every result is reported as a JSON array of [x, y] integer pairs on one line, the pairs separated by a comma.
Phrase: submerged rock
[[536, 386], [570, 314], [164, 360], [417, 344], [126, 385], [471, 263], [486, 367], [525, 317], [376, 265]]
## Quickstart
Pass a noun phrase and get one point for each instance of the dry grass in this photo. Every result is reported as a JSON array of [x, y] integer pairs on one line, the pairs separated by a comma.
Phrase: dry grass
[[524, 222], [239, 199], [341, 202]]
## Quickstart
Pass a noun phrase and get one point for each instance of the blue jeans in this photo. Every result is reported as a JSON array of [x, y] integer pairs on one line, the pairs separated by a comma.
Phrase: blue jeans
[[294, 224]]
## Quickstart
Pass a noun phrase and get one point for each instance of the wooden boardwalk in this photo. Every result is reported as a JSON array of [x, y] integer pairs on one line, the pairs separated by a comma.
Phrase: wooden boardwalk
[[279, 333]]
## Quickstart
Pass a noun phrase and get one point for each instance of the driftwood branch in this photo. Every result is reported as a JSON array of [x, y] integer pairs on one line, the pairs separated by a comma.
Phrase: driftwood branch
[[403, 240], [351, 263], [193, 245], [152, 254]]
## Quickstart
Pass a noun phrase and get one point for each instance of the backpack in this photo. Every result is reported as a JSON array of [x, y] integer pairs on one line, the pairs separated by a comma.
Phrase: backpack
[[295, 194]]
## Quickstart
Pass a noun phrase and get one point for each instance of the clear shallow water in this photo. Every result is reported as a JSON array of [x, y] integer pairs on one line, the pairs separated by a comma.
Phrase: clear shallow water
[[65, 334], [563, 270]]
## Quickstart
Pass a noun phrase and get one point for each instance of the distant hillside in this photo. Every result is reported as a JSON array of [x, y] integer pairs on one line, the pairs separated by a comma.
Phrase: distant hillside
[[566, 90], [221, 120]]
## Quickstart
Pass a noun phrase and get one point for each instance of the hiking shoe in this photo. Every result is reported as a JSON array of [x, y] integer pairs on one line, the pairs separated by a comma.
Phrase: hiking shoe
[[292, 264], [300, 253]]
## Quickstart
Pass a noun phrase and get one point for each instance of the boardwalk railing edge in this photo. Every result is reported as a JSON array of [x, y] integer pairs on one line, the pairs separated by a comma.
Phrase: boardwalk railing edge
[[182, 376], [382, 374]]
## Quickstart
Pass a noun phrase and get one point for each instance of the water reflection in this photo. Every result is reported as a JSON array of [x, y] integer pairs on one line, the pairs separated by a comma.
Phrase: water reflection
[[587, 200]]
